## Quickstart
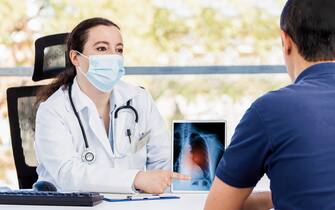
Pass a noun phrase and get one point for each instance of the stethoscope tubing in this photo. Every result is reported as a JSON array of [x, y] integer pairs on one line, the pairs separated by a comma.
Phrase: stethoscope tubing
[[78, 118], [127, 106]]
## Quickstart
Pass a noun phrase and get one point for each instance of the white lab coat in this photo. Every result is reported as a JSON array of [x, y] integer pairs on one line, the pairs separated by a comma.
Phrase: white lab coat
[[59, 143]]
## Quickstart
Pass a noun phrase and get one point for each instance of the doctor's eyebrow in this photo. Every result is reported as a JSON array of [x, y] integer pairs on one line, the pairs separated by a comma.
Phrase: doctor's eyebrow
[[107, 43], [101, 42]]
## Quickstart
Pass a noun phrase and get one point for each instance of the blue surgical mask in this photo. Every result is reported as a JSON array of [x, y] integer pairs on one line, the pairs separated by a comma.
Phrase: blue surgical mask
[[104, 71]]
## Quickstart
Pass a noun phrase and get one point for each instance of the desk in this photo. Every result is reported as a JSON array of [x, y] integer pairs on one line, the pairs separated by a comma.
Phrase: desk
[[186, 202]]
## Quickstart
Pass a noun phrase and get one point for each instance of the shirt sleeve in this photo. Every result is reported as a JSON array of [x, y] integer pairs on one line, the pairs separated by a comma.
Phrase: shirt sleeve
[[245, 160]]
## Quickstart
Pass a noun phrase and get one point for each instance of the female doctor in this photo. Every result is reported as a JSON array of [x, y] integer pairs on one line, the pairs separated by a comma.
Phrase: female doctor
[[95, 132]]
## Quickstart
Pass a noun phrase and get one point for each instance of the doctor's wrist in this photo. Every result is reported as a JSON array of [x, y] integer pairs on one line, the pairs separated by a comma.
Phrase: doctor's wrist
[[138, 180]]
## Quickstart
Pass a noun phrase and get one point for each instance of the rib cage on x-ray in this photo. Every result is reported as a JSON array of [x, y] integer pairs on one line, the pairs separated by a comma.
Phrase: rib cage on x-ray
[[197, 151]]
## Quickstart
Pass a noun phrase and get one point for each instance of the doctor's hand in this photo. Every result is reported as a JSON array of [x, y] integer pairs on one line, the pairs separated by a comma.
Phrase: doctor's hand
[[156, 181]]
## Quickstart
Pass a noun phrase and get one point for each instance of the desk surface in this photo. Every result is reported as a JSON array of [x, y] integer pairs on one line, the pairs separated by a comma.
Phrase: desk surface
[[186, 201]]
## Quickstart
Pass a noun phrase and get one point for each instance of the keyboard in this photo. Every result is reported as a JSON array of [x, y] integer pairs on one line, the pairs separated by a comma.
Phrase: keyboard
[[25, 197]]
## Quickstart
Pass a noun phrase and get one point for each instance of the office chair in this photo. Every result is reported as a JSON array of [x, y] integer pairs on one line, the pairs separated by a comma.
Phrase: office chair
[[49, 61]]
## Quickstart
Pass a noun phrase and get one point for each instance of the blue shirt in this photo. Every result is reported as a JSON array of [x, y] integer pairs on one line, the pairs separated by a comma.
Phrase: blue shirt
[[289, 134]]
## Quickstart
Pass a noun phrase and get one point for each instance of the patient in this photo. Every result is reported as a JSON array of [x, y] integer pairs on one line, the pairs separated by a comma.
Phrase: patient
[[288, 134]]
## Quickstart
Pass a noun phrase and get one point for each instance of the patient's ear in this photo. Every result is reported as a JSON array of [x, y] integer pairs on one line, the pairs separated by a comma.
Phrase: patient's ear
[[287, 43]]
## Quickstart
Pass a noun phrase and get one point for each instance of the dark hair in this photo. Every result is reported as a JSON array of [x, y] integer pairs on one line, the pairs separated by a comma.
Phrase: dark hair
[[75, 41], [311, 25]]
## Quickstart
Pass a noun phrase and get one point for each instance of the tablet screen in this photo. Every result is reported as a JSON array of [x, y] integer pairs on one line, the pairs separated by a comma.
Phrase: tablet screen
[[197, 149]]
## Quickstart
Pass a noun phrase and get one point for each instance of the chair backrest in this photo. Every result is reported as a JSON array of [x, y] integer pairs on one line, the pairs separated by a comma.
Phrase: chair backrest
[[49, 61], [22, 112], [50, 57]]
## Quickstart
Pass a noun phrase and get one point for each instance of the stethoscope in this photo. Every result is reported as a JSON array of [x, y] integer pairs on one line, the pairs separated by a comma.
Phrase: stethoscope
[[88, 155], [128, 131]]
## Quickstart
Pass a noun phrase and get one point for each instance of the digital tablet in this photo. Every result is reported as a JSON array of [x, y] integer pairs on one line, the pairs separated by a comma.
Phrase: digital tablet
[[197, 149]]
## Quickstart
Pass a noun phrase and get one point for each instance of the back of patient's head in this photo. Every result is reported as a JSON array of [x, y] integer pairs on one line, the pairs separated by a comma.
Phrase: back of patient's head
[[311, 26]]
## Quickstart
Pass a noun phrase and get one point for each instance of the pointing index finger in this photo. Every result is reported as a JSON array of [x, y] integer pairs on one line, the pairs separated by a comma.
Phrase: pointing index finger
[[179, 176]]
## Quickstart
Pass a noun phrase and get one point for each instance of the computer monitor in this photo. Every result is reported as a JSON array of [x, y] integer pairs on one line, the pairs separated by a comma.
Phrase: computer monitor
[[197, 149]]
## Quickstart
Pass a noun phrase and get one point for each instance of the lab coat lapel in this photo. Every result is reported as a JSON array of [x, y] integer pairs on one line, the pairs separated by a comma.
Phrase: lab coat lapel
[[123, 92], [98, 130], [88, 112]]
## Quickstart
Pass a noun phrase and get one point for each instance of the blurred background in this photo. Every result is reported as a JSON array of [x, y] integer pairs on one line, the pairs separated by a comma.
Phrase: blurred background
[[157, 33]]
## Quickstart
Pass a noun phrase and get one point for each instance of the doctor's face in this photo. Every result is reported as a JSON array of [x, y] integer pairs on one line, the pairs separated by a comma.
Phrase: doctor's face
[[101, 40]]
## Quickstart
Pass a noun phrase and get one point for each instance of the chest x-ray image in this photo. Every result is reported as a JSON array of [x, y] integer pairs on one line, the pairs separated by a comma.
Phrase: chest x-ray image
[[197, 149]]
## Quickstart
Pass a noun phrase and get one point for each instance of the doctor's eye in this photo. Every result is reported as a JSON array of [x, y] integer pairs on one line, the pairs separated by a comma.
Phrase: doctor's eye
[[101, 49], [119, 50]]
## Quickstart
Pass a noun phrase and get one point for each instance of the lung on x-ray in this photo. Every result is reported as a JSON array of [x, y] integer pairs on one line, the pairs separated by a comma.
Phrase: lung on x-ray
[[197, 149]]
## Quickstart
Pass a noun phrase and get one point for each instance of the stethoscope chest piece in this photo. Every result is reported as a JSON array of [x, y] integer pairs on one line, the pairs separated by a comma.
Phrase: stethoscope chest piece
[[88, 156]]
